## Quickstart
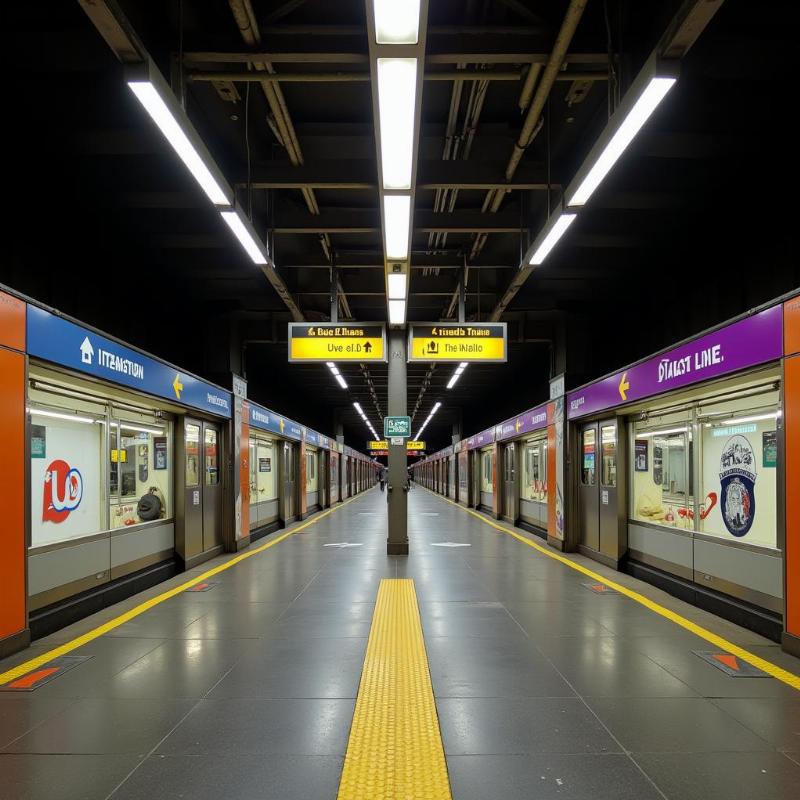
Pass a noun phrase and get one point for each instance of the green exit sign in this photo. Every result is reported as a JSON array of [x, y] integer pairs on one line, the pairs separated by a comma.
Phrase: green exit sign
[[397, 426]]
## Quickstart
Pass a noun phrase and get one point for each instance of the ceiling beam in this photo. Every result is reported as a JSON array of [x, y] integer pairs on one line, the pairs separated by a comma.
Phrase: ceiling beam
[[364, 77], [431, 174]]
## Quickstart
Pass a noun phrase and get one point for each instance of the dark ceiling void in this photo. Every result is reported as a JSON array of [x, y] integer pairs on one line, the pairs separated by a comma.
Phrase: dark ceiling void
[[693, 225]]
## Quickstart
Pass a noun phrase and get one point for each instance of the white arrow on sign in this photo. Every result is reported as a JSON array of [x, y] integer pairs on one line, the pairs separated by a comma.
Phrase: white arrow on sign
[[343, 544], [450, 544]]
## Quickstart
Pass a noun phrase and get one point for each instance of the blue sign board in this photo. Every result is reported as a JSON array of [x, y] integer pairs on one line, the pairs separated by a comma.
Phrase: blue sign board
[[267, 420], [312, 437], [63, 342]]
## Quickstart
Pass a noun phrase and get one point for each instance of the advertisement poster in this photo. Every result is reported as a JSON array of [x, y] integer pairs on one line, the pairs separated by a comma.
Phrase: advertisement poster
[[769, 441], [38, 441], [640, 455], [160, 452]]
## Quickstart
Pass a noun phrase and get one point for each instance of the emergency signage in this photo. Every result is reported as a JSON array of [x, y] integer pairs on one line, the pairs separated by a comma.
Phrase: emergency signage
[[397, 426], [60, 341], [328, 341], [461, 341]]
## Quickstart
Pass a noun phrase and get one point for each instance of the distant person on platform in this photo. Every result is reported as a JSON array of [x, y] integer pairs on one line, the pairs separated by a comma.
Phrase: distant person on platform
[[410, 477], [382, 477]]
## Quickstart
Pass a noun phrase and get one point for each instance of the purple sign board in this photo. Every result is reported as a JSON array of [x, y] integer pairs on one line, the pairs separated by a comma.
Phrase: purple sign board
[[481, 439], [747, 343], [532, 420]]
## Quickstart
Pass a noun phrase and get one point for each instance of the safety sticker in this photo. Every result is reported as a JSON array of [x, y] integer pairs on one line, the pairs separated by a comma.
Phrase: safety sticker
[[203, 587], [731, 665], [46, 673], [599, 588]]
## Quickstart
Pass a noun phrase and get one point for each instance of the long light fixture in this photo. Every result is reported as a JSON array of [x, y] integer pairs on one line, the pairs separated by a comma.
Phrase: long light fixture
[[159, 102], [37, 412], [756, 418], [665, 432], [397, 283], [551, 238], [457, 374], [396, 21], [396, 222], [241, 227], [140, 428], [397, 312], [363, 416], [336, 374], [397, 95], [643, 107], [435, 408]]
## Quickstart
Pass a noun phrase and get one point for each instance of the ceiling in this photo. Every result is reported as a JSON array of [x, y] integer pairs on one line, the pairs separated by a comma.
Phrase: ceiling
[[688, 230]]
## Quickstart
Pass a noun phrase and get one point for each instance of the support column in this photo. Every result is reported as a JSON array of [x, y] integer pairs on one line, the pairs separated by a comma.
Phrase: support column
[[397, 489]]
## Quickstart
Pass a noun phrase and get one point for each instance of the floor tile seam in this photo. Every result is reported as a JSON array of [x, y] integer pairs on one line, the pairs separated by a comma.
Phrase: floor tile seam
[[663, 611], [175, 727], [602, 724], [72, 702]]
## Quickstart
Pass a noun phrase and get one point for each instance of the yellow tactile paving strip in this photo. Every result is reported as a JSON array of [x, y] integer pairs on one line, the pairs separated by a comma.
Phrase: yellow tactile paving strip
[[395, 749]]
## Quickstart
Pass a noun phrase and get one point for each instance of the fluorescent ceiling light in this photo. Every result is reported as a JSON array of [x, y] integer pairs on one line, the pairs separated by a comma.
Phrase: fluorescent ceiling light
[[397, 312], [252, 247], [397, 285], [396, 21], [653, 94], [550, 241], [396, 220], [756, 418], [457, 374], [397, 92], [436, 408], [647, 434], [357, 407], [37, 412], [126, 427], [342, 381], [147, 94]]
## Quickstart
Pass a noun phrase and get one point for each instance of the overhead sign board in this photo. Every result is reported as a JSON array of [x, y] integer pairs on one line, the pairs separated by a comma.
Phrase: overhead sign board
[[415, 444], [397, 426], [459, 341], [379, 447], [53, 338], [328, 341]]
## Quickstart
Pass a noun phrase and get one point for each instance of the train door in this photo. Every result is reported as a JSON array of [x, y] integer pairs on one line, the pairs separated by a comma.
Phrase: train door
[[597, 491], [510, 482], [212, 488], [289, 476]]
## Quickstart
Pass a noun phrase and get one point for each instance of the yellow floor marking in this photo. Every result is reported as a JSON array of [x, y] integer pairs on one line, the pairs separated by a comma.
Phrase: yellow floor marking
[[781, 674], [74, 644], [395, 749]]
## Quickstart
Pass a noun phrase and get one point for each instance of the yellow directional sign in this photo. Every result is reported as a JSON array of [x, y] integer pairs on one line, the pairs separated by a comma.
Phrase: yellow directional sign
[[479, 341], [413, 444], [327, 341], [375, 445], [624, 385], [177, 386]]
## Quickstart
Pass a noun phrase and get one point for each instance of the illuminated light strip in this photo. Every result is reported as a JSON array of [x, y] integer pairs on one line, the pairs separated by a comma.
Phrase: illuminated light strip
[[552, 237], [642, 109], [397, 98], [237, 223], [779, 673], [457, 374], [56, 415], [39, 661]]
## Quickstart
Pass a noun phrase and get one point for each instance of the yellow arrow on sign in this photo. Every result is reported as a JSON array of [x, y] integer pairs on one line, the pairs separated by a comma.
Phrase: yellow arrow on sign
[[624, 386], [177, 385]]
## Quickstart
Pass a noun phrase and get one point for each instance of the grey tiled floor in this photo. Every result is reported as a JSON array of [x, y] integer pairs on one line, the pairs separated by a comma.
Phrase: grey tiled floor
[[544, 689]]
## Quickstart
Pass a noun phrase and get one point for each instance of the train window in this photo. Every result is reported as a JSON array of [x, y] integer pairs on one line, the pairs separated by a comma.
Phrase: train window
[[488, 485], [608, 451], [211, 457], [192, 453], [738, 470], [588, 456], [139, 464], [534, 470]]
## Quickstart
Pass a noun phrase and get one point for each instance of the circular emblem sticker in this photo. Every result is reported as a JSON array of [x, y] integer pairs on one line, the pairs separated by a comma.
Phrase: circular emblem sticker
[[737, 475]]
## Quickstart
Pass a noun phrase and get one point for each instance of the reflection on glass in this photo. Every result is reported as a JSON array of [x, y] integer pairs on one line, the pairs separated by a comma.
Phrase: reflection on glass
[[212, 457], [608, 441], [192, 448], [588, 453]]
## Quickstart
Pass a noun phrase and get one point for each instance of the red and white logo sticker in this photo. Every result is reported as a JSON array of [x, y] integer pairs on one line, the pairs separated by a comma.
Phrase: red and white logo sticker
[[63, 491]]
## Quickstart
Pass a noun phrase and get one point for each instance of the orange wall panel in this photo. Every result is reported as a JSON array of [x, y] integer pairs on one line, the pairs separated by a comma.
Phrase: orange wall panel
[[12, 491], [12, 322], [791, 399], [791, 326]]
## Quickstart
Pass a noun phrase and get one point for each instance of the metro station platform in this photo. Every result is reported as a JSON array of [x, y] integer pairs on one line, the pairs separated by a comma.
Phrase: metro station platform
[[262, 684]]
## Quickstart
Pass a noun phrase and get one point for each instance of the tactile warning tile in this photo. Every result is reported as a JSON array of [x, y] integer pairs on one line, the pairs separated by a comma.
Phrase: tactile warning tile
[[395, 749]]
